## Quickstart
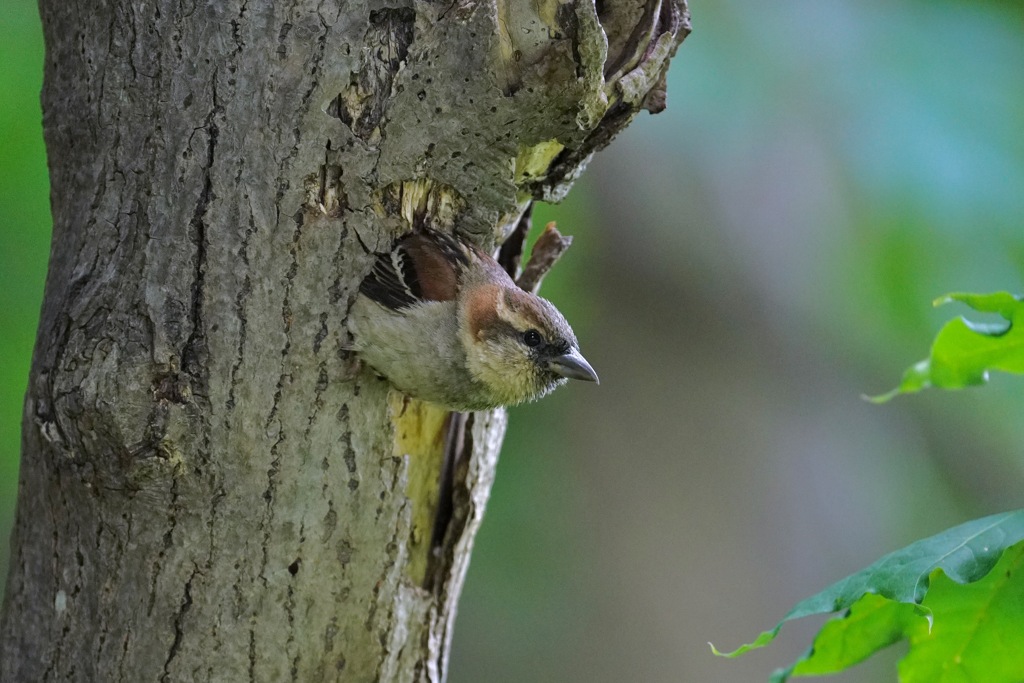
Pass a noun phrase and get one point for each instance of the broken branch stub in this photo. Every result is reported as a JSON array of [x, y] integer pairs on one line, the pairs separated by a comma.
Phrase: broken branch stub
[[548, 248]]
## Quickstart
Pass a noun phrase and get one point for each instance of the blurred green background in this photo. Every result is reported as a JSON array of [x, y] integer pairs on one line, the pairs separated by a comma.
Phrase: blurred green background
[[747, 264]]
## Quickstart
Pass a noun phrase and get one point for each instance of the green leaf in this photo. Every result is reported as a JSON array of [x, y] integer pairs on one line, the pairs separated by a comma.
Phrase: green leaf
[[891, 600], [961, 632], [872, 623], [978, 628], [963, 352]]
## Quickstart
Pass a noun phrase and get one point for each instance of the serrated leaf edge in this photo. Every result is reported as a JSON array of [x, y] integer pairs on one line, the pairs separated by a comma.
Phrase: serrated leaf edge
[[920, 588]]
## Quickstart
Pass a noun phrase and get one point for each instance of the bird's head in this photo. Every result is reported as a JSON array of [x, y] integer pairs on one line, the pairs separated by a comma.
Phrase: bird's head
[[519, 345]]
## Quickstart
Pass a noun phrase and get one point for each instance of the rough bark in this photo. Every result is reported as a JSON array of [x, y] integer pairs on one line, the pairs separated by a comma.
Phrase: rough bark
[[211, 488]]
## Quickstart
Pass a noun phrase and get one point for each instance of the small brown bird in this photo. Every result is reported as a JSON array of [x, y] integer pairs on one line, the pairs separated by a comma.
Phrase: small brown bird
[[443, 322]]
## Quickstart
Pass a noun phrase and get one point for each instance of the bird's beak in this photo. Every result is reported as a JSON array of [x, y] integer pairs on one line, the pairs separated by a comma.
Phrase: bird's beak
[[573, 366]]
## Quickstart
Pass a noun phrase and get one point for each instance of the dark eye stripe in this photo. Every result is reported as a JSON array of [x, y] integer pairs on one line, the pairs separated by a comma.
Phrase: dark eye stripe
[[559, 346]]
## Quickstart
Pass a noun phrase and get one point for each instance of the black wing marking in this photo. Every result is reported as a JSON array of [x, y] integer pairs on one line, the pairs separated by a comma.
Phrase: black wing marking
[[392, 282], [395, 279]]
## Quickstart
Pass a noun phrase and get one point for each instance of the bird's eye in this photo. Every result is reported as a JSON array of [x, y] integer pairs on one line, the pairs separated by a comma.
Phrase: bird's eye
[[531, 338]]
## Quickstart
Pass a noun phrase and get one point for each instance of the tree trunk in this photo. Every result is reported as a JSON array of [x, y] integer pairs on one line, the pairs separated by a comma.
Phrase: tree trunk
[[211, 488]]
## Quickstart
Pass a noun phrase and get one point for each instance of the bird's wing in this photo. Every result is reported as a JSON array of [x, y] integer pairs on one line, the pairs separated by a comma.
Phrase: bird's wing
[[421, 266]]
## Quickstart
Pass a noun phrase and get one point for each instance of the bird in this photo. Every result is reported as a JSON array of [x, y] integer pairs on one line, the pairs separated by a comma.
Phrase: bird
[[443, 322]]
